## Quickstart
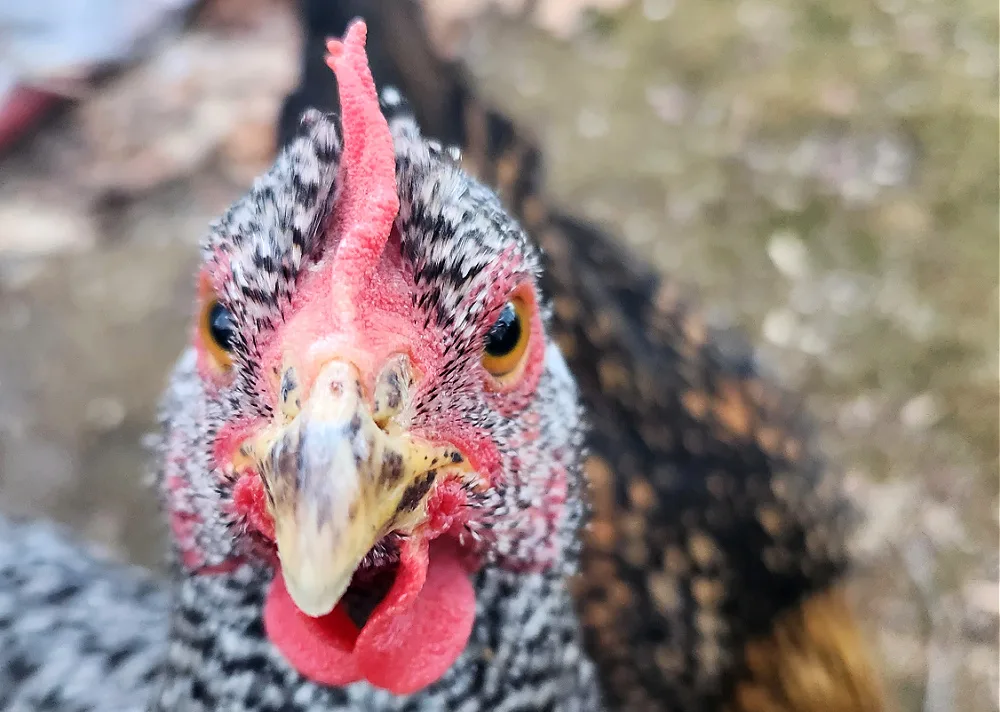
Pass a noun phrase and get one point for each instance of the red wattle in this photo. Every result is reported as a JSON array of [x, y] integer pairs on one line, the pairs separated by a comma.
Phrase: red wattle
[[411, 639], [414, 637], [321, 649]]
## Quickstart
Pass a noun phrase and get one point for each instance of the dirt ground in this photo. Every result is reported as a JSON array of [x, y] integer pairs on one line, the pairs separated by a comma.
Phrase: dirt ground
[[825, 174]]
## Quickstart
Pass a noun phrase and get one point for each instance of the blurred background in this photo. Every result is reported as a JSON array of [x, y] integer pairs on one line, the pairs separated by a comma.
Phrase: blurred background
[[825, 174]]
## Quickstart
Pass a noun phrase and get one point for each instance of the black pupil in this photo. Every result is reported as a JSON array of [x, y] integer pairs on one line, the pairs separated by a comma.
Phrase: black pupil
[[220, 324], [503, 336]]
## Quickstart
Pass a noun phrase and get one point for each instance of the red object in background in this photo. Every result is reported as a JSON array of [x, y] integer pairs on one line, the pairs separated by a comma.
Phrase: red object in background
[[65, 43], [23, 109]]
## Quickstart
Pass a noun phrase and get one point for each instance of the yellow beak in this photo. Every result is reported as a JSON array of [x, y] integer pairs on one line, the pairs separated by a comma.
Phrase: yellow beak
[[338, 481]]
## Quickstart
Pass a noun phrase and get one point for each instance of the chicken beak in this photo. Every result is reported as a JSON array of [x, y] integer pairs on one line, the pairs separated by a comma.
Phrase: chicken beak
[[338, 481]]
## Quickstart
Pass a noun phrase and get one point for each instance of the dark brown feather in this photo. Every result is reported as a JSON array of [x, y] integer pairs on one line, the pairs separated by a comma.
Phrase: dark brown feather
[[814, 659]]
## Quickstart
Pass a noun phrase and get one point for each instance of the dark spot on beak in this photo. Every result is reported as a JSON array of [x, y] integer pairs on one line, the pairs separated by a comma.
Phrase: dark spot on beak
[[288, 384], [395, 395], [392, 469], [286, 461], [267, 490], [415, 492]]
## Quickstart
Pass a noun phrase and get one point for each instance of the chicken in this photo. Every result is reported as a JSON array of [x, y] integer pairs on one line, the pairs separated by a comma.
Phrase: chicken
[[715, 567], [372, 465]]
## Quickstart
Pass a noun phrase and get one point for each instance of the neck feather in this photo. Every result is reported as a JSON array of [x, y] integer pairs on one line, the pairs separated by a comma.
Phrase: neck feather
[[525, 644]]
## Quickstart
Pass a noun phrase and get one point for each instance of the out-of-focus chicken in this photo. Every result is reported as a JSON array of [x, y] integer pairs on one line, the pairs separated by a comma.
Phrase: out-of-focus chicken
[[715, 566]]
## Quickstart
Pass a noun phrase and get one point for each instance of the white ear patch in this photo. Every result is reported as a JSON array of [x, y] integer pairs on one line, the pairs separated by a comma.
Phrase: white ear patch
[[566, 391]]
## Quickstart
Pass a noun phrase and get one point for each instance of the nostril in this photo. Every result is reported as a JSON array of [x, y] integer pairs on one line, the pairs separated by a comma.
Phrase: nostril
[[391, 390], [291, 400]]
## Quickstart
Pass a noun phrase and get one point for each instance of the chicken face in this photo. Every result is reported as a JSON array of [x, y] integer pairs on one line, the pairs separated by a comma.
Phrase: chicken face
[[371, 410]]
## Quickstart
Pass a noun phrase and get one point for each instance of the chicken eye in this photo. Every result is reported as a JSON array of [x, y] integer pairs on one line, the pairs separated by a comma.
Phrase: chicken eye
[[219, 332], [507, 340]]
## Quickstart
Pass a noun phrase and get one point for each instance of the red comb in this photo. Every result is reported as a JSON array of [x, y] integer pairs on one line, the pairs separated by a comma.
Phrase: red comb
[[368, 202]]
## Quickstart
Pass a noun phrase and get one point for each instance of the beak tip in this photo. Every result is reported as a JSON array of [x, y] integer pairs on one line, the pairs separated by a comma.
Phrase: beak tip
[[313, 595]]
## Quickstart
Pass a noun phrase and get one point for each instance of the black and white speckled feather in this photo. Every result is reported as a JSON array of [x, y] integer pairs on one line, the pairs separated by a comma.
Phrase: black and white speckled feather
[[268, 237], [77, 631]]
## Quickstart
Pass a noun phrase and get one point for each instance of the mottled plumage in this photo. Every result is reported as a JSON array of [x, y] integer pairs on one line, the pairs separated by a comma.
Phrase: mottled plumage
[[77, 631]]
